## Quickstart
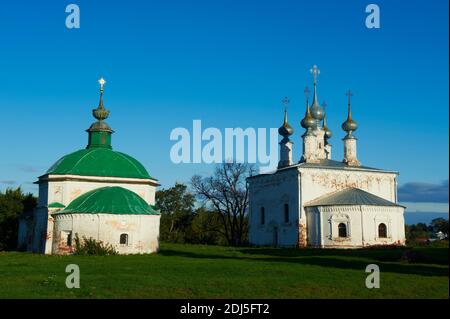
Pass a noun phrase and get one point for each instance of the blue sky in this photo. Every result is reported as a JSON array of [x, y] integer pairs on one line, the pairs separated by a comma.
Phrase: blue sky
[[229, 64]]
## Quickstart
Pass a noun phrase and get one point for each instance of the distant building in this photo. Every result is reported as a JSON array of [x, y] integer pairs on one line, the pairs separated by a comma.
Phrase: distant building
[[320, 202], [97, 193]]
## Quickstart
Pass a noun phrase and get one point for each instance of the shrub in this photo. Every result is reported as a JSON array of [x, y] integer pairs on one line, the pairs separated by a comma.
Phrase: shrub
[[90, 246]]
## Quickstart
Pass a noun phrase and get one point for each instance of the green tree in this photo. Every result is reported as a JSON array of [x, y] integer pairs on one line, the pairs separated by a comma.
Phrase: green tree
[[13, 202], [440, 225], [176, 205], [206, 228]]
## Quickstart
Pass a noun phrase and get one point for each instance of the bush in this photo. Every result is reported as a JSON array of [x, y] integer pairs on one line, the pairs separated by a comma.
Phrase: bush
[[90, 246]]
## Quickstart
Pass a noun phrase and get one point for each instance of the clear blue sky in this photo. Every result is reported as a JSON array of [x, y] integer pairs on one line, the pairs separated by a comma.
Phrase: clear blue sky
[[228, 63]]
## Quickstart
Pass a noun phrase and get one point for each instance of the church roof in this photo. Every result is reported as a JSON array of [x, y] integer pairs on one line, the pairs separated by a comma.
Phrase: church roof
[[99, 162], [110, 200], [351, 196], [55, 205], [331, 164], [326, 164]]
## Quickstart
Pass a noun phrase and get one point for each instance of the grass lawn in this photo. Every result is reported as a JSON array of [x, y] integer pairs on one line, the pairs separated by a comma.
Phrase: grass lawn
[[195, 271]]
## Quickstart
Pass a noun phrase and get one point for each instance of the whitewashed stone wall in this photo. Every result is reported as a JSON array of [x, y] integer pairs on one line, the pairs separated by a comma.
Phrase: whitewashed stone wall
[[272, 192], [361, 224], [65, 192], [142, 231], [299, 185], [64, 189]]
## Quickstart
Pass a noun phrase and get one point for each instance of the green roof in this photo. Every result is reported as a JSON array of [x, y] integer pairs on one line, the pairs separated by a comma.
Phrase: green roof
[[55, 205], [99, 162], [351, 196], [110, 200]]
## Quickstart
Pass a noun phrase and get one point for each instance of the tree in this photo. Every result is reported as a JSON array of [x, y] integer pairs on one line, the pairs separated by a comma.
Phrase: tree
[[226, 193], [440, 225], [13, 202], [176, 205], [206, 228]]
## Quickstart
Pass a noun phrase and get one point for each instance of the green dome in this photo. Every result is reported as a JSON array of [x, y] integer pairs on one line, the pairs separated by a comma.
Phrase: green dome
[[110, 200], [99, 162]]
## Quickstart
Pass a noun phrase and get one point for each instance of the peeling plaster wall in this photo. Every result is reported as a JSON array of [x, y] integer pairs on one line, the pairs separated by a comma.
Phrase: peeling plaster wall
[[299, 185], [65, 192], [362, 226], [142, 231], [319, 182]]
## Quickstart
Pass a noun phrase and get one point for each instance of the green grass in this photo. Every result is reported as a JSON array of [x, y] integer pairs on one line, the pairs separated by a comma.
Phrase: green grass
[[195, 271]]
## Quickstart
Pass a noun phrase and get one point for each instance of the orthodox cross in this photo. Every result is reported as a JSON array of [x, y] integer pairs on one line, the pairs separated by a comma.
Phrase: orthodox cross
[[102, 83], [349, 95], [315, 71]]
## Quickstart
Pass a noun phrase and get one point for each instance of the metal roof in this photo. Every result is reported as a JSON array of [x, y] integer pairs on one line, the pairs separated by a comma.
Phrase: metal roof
[[99, 162], [110, 200], [351, 196], [326, 163]]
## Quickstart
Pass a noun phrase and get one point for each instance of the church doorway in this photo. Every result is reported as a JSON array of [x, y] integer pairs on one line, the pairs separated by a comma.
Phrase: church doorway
[[275, 236]]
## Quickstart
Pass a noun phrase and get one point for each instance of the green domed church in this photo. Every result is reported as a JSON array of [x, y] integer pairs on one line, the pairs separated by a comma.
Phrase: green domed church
[[95, 192]]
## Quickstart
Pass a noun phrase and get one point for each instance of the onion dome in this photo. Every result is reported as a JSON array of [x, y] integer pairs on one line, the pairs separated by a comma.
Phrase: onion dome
[[349, 125], [328, 133], [316, 110], [100, 113], [308, 121], [285, 130]]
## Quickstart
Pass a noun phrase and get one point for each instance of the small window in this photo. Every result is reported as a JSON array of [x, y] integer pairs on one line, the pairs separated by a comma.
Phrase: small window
[[69, 239], [263, 217], [124, 239], [286, 213], [382, 231], [342, 230]]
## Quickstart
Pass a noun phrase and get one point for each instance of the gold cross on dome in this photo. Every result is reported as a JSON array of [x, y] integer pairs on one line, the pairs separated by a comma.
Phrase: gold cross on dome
[[315, 71], [102, 83], [285, 101]]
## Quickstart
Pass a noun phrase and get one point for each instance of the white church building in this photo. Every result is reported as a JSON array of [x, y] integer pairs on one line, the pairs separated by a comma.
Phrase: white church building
[[321, 202], [97, 193]]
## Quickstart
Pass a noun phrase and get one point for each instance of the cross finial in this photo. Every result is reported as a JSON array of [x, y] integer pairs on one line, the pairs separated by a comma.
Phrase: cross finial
[[349, 94], [306, 91], [102, 83], [315, 71], [285, 101]]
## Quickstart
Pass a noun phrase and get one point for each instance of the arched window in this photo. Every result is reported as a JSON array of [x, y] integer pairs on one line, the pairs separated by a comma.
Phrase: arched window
[[263, 217], [124, 239], [286, 213], [382, 231], [342, 230]]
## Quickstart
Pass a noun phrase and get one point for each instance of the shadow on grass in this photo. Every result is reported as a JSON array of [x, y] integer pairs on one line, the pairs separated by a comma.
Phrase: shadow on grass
[[427, 255], [322, 258]]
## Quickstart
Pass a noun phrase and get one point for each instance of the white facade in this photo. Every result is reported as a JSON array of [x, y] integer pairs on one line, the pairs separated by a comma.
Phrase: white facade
[[138, 232], [51, 231], [281, 209], [294, 224]]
